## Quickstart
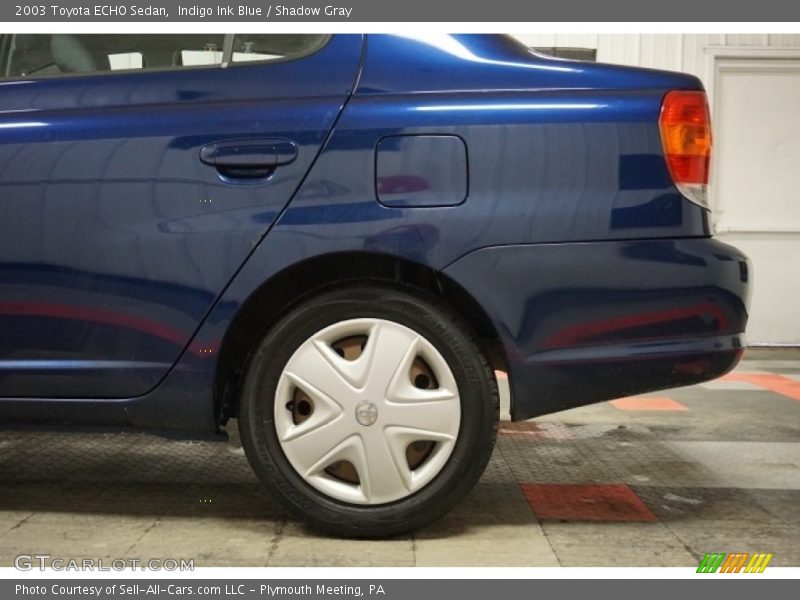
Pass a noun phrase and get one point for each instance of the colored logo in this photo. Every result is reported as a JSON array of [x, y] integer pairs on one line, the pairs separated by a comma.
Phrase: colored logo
[[740, 562]]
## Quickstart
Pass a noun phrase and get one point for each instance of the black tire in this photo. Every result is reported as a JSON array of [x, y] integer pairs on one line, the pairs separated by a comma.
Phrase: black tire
[[477, 390]]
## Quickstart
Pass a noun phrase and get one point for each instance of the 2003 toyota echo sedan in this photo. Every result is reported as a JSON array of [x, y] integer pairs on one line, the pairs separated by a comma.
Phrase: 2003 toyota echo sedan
[[339, 239]]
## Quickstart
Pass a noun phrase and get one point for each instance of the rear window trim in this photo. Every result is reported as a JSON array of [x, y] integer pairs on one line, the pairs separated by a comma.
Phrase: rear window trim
[[227, 53]]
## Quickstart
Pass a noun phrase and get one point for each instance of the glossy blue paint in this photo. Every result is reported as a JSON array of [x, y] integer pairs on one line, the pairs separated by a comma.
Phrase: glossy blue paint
[[126, 258], [118, 237], [668, 313]]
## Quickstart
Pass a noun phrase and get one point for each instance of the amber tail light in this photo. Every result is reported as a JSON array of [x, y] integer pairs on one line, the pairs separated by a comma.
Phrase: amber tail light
[[685, 127]]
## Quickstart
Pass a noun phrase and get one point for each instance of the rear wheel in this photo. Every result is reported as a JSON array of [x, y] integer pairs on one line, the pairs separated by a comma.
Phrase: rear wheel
[[369, 410]]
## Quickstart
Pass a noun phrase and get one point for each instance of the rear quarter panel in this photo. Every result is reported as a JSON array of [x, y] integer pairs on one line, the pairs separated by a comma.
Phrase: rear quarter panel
[[569, 155]]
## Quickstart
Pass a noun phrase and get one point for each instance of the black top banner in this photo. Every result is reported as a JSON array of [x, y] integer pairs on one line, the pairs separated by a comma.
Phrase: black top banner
[[402, 10]]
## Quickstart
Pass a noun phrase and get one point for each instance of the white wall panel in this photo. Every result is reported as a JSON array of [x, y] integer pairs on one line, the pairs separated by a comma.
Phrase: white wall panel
[[784, 39], [618, 49], [660, 51], [758, 151], [747, 39]]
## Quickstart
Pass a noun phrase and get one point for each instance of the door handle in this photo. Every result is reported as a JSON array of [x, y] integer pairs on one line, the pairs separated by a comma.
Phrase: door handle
[[249, 159]]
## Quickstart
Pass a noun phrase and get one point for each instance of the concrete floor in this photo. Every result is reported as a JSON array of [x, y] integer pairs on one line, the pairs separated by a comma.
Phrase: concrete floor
[[650, 481]]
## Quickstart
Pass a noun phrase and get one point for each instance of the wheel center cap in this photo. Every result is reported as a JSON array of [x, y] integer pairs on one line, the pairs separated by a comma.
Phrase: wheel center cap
[[366, 413]]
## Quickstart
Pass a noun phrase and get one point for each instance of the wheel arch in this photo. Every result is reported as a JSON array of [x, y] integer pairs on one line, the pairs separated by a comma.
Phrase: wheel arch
[[278, 293]]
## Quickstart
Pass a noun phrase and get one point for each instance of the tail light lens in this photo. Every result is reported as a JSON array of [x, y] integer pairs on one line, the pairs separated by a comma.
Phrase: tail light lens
[[686, 136]]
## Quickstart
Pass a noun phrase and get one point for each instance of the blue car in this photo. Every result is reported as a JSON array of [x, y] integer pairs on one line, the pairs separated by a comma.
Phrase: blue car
[[339, 240]]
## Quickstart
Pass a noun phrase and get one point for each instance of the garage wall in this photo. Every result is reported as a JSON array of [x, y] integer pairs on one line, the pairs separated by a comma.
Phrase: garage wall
[[753, 82]]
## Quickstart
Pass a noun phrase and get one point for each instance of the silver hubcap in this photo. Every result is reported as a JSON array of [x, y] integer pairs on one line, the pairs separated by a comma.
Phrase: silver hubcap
[[371, 419]]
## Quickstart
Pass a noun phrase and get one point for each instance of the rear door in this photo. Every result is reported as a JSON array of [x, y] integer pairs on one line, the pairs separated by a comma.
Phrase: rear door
[[137, 172]]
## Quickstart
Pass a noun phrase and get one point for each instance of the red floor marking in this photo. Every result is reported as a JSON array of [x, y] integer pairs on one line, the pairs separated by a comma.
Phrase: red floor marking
[[536, 431], [606, 502], [769, 381], [642, 403]]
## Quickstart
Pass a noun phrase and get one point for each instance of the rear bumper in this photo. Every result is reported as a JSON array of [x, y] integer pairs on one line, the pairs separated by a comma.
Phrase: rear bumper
[[586, 322]]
